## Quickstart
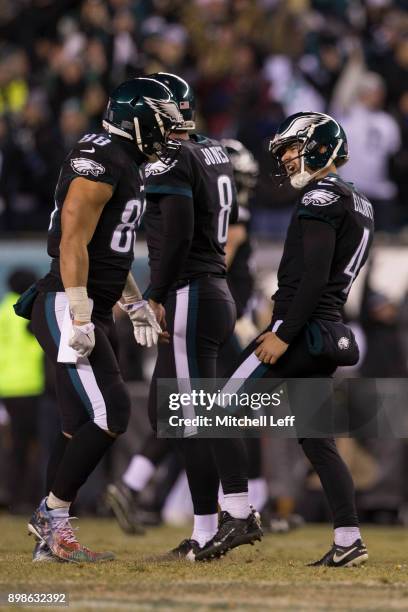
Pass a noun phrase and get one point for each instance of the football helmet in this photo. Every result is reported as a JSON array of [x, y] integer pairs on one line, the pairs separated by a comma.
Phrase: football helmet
[[183, 95], [321, 140], [246, 169], [144, 111]]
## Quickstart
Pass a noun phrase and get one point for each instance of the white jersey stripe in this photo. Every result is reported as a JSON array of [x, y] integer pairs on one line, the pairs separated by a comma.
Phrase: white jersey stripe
[[181, 354], [84, 371], [245, 370]]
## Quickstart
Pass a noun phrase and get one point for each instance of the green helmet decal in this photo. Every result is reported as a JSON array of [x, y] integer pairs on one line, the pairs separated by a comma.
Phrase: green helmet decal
[[183, 94], [321, 139], [143, 110]]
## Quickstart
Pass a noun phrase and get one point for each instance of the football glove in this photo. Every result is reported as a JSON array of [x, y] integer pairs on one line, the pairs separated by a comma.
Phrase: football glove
[[83, 339], [145, 326]]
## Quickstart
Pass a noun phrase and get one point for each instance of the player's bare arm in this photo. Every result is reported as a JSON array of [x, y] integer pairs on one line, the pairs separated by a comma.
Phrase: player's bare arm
[[81, 211]]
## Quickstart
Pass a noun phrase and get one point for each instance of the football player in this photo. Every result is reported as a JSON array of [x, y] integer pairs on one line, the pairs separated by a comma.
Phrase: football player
[[124, 496], [190, 200], [99, 200], [327, 242]]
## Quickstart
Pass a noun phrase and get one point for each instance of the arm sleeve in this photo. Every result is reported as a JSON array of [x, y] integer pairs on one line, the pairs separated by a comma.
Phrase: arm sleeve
[[234, 215], [319, 240], [178, 228]]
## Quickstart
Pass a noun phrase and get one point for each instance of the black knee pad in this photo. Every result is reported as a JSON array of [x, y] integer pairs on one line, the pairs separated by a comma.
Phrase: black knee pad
[[117, 400]]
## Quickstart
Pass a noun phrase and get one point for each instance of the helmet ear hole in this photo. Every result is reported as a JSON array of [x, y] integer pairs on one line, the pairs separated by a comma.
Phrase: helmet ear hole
[[311, 146]]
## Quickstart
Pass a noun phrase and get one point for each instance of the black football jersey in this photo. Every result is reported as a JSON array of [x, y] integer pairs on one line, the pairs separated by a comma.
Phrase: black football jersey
[[333, 201], [201, 170], [98, 157]]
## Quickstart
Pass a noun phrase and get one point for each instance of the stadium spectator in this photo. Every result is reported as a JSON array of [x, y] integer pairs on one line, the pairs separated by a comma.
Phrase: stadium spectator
[[374, 137], [21, 386]]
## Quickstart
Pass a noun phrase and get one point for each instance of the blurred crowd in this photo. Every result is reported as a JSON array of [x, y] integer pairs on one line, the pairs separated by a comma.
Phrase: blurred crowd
[[250, 62]]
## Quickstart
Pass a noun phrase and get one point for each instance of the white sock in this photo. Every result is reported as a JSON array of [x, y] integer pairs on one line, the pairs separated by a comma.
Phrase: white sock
[[205, 527], [54, 503], [257, 492], [346, 536], [237, 505], [138, 473]]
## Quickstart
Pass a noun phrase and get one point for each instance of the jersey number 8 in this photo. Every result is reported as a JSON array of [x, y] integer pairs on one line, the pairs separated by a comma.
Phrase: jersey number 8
[[123, 236], [225, 198]]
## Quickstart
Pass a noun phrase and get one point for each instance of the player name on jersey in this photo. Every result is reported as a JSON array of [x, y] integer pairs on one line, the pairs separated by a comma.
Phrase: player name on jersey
[[363, 206], [214, 155]]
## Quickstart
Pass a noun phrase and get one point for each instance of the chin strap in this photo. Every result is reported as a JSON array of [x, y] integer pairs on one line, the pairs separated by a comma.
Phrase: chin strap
[[302, 178]]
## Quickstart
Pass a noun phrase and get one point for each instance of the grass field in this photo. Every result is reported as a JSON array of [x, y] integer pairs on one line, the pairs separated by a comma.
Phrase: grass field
[[269, 576]]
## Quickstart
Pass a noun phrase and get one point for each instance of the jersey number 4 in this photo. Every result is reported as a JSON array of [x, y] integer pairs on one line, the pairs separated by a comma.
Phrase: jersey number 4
[[354, 265], [123, 236], [225, 199]]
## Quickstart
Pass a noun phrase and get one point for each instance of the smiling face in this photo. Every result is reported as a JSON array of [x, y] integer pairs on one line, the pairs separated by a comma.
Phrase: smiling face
[[290, 158]]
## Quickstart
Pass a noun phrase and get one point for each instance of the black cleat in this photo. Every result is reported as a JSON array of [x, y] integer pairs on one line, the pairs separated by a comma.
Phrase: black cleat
[[125, 506], [185, 551], [343, 556], [232, 532]]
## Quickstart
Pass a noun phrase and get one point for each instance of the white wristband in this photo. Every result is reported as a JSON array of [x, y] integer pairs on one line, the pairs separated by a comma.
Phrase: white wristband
[[79, 303]]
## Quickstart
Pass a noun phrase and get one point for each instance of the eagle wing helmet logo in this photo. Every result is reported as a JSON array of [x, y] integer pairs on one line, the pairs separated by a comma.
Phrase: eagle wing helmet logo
[[168, 108], [84, 166]]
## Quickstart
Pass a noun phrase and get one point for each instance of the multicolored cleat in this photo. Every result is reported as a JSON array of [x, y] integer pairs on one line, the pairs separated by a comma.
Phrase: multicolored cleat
[[42, 553], [53, 528]]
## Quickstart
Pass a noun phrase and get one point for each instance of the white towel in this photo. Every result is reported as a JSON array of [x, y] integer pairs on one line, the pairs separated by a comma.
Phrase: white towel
[[66, 354]]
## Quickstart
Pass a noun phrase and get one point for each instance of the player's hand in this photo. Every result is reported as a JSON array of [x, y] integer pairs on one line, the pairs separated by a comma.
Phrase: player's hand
[[145, 326], [83, 338], [160, 313], [270, 348]]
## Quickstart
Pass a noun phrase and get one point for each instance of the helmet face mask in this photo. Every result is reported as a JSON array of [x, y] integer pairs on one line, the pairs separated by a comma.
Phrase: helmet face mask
[[143, 111], [320, 139]]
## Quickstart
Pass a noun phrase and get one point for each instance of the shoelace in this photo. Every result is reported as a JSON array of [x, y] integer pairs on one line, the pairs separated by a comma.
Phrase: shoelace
[[65, 529]]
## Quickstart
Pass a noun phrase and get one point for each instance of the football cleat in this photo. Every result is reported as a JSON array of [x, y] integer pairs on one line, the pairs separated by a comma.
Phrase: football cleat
[[42, 553], [343, 556], [124, 503], [54, 530], [185, 551], [232, 532]]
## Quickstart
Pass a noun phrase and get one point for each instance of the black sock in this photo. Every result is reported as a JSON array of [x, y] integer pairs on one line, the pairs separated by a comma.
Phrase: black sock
[[155, 449], [231, 459], [202, 474], [336, 479], [57, 453], [253, 446], [82, 455]]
